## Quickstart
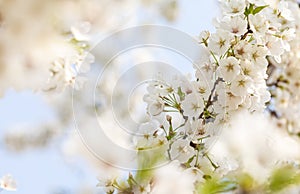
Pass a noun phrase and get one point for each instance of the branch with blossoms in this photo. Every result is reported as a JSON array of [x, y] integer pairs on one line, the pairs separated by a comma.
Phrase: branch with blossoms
[[248, 65]]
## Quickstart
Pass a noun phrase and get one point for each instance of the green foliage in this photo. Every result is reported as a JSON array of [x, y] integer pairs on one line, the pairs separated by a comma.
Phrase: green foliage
[[249, 10], [214, 185], [147, 160], [180, 93], [253, 10], [258, 9], [246, 182], [283, 177]]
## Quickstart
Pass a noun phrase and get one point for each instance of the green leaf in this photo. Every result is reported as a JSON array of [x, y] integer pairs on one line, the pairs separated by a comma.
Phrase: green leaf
[[258, 9], [180, 93], [249, 10], [283, 177], [147, 160], [246, 182], [213, 186]]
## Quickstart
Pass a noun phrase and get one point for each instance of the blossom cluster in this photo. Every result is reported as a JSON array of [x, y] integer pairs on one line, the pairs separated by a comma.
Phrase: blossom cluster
[[45, 47], [230, 76], [283, 80], [244, 66], [248, 67], [54, 48]]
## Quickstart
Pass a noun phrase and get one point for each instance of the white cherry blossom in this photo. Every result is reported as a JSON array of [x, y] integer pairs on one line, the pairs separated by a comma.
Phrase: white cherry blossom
[[259, 25], [258, 55], [241, 85], [203, 88], [181, 150], [233, 7], [229, 100], [156, 107], [220, 41], [241, 49], [229, 68], [192, 105], [275, 47], [237, 25], [251, 70]]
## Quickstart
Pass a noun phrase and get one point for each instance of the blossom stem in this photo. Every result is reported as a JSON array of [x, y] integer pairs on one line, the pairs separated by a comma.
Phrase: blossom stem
[[211, 162], [197, 158], [209, 101], [215, 58]]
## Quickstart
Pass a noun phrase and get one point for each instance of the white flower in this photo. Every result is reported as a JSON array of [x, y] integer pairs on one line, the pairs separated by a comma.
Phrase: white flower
[[205, 72], [241, 85], [159, 88], [258, 55], [204, 56], [234, 7], [180, 81], [192, 105], [236, 25], [275, 46], [249, 69], [219, 42], [80, 31], [258, 2], [204, 134], [259, 25], [145, 134], [84, 62], [159, 141], [196, 173], [288, 35], [255, 143], [156, 106], [107, 184], [230, 101], [8, 183], [194, 128], [229, 68], [203, 88], [64, 71], [142, 189], [285, 12], [171, 179], [242, 49], [257, 101], [181, 150], [204, 36], [264, 94], [155, 103]]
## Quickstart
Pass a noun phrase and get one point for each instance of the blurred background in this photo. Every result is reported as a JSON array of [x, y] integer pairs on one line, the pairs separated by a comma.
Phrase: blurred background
[[35, 130]]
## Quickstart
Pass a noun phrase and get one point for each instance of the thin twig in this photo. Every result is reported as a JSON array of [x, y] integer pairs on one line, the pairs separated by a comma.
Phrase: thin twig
[[210, 100]]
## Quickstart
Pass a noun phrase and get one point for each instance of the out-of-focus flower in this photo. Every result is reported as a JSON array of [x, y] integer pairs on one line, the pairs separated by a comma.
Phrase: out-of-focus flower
[[8, 183], [255, 144], [171, 179]]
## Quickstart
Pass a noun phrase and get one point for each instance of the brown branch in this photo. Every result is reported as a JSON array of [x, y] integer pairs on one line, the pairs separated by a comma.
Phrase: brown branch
[[210, 100]]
